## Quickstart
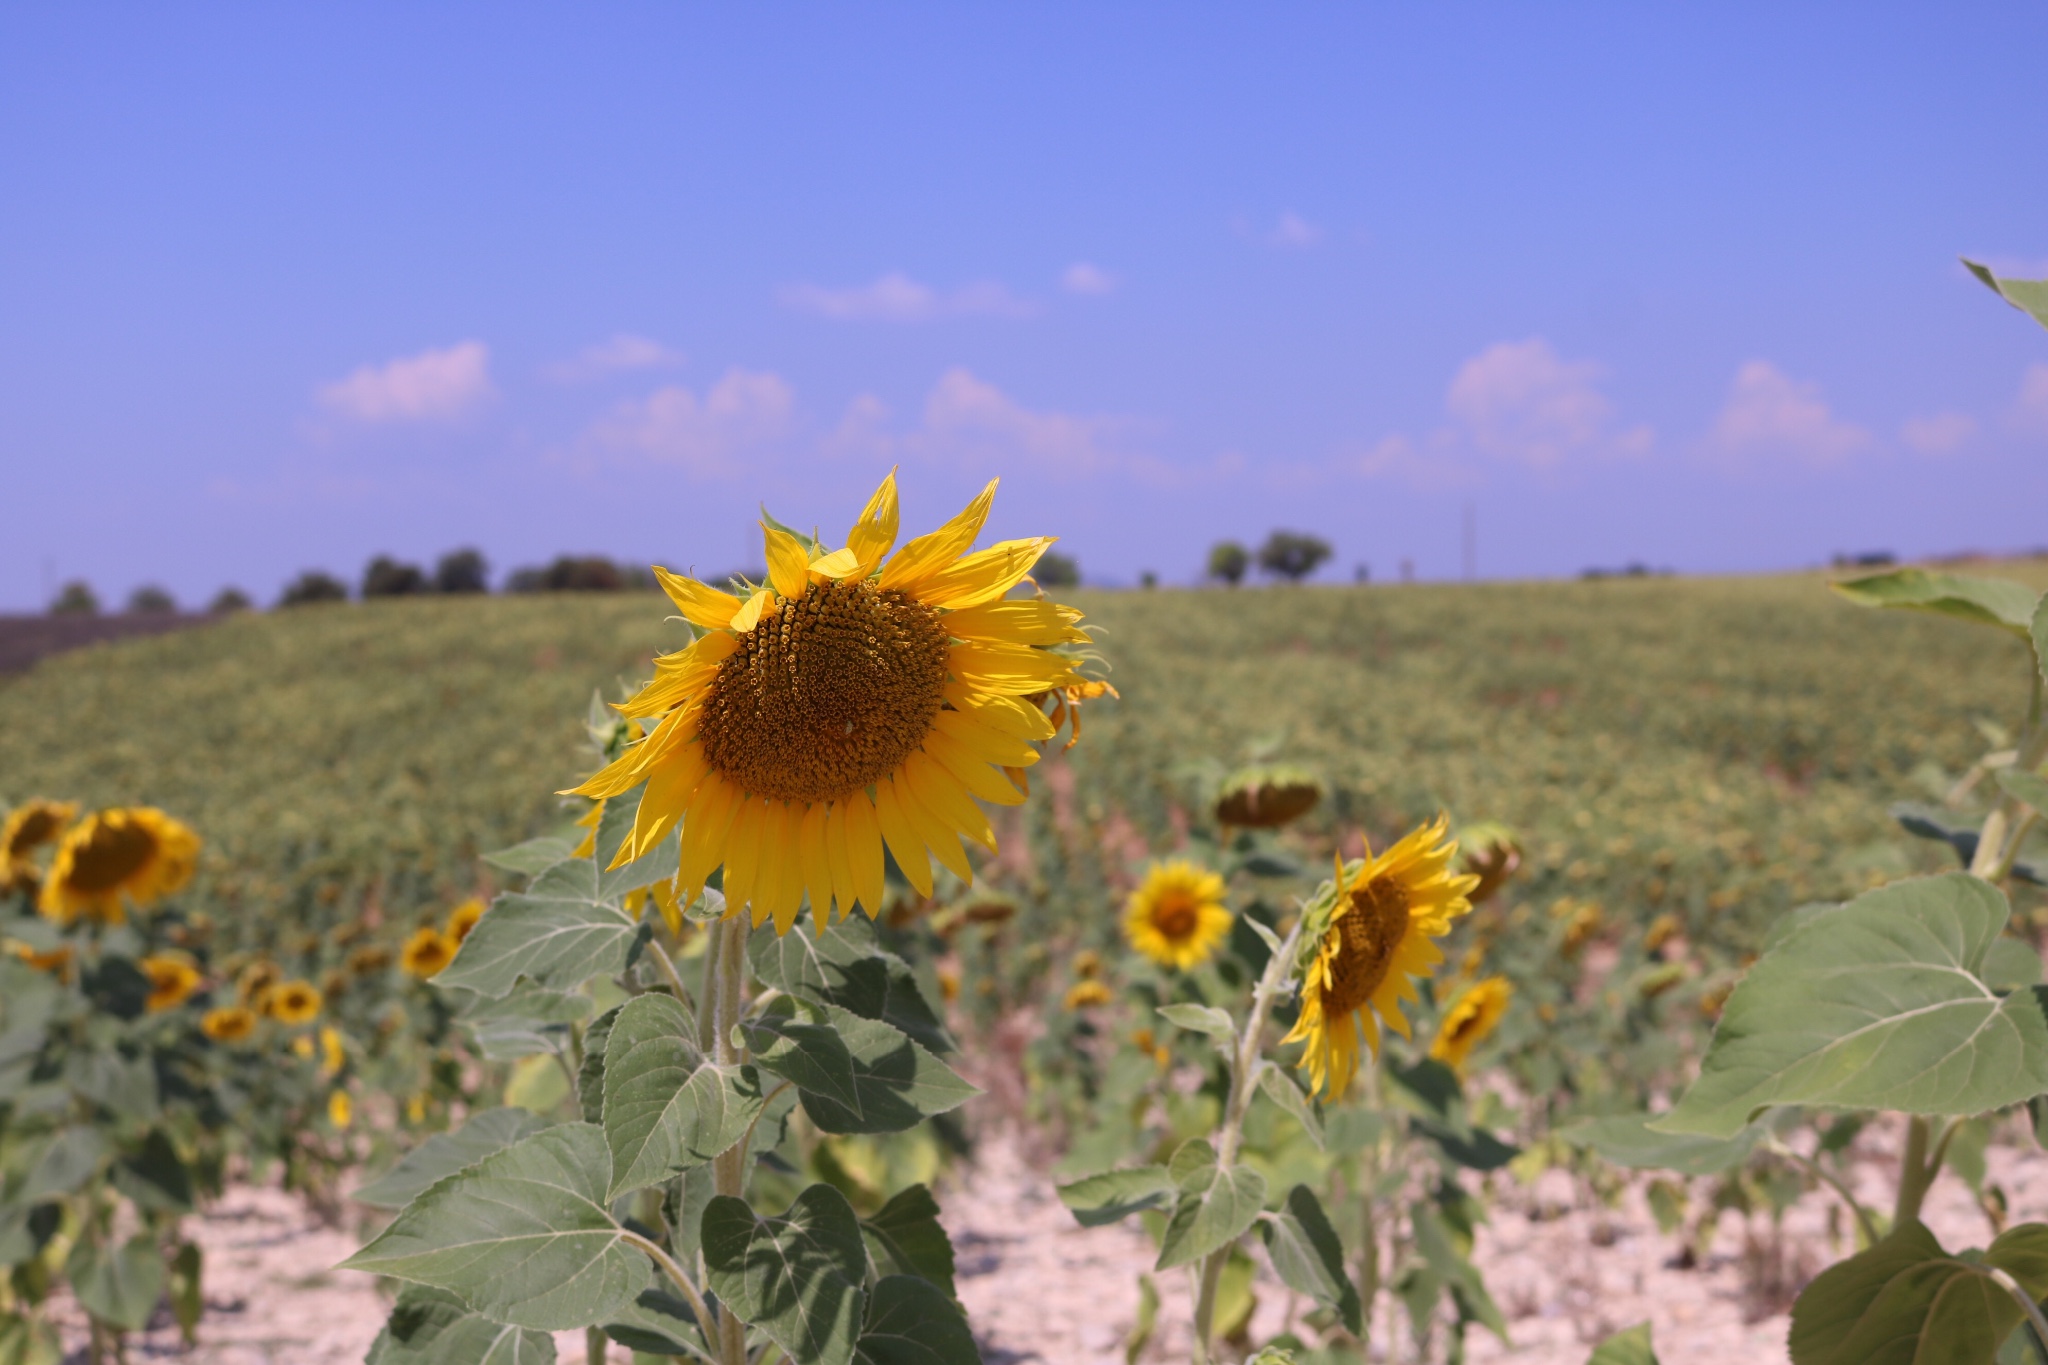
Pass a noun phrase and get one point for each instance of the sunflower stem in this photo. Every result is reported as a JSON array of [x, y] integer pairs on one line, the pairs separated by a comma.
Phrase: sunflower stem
[[726, 992]]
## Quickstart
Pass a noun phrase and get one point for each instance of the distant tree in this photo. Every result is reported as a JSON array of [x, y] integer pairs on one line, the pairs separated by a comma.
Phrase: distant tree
[[1227, 562], [228, 601], [387, 577], [1148, 580], [1292, 555], [1056, 570], [151, 600], [76, 598], [313, 586], [569, 573], [462, 570]]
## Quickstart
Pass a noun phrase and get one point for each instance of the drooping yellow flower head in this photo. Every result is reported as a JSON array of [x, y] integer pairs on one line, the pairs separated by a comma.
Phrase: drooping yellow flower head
[[1177, 916], [28, 827], [859, 700], [426, 952], [1086, 994], [171, 981], [229, 1024], [293, 1002], [1368, 939], [463, 918], [341, 1111], [1471, 1019], [114, 857]]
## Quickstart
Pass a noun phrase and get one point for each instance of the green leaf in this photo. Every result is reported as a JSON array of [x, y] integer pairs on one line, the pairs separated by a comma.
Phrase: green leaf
[[1904, 1300], [797, 1276], [2037, 634], [532, 857], [2011, 964], [25, 1229], [26, 1341], [1309, 1256], [432, 1327], [119, 1286], [523, 1236], [1280, 1089], [910, 1322], [2029, 296], [1473, 1148], [1206, 1019], [810, 1056], [123, 1086], [444, 1154], [1879, 1004], [1925, 822], [186, 1290], [525, 1023], [2032, 788], [897, 1081], [1628, 1140], [1628, 1347], [1456, 1271], [844, 967], [1212, 1208], [1990, 601], [558, 932], [590, 1075], [155, 1177], [667, 1106], [71, 1158], [1115, 1195], [682, 1206], [906, 1233], [657, 1323]]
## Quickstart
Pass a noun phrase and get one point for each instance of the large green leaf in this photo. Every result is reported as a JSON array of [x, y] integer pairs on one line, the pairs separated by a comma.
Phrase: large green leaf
[[667, 1106], [1629, 1140], [1309, 1256], [1631, 1346], [1990, 601], [123, 1086], [657, 1323], [118, 1285], [1877, 1004], [1453, 1266], [523, 1236], [432, 1327], [1281, 1089], [25, 1229], [897, 1081], [1212, 1206], [28, 1341], [910, 1322], [2029, 296], [906, 1233], [525, 1023], [69, 1160], [809, 1055], [844, 967], [558, 932], [154, 1175], [590, 1075], [1906, 1301], [532, 857], [1115, 1195], [797, 1277], [444, 1154]]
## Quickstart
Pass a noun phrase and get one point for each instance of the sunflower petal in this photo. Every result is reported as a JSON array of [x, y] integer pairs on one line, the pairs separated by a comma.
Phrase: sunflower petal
[[941, 793], [699, 603], [864, 853], [928, 554], [743, 853], [1001, 712], [1015, 669], [781, 885], [902, 837], [749, 615], [817, 870], [1020, 622], [841, 563], [838, 865], [972, 771], [704, 831], [788, 563], [985, 576], [874, 535], [669, 789], [990, 746], [943, 842]]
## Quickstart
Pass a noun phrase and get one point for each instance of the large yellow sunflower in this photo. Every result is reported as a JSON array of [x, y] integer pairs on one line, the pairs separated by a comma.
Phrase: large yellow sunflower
[[28, 827], [1177, 916], [1473, 1016], [849, 704], [1369, 938], [112, 857]]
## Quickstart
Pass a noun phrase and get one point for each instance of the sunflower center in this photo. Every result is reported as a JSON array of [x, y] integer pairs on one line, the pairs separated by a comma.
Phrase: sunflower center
[[113, 854], [1368, 932], [827, 694], [38, 827], [1175, 917]]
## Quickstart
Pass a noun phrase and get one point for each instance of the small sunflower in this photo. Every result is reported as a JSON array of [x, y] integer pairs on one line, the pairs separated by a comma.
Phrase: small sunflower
[[369, 959], [1086, 994], [849, 705], [463, 918], [332, 1053], [1369, 938], [228, 1024], [1473, 1016], [113, 857], [256, 980], [28, 827], [1177, 916], [341, 1111], [171, 981], [293, 1002], [426, 952]]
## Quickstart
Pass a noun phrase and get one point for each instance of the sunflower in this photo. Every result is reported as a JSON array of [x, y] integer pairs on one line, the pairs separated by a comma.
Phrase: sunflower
[[1267, 798], [56, 961], [1473, 1016], [293, 1002], [333, 1055], [171, 981], [849, 705], [28, 827], [463, 918], [369, 959], [1369, 936], [136, 854], [341, 1111], [1177, 916], [426, 952], [229, 1024], [1084, 994]]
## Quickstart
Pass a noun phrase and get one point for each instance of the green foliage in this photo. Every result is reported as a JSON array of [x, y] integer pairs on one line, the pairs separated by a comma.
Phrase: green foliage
[[1630, 1346], [2029, 296], [1309, 1256], [1213, 1205], [667, 1106], [1906, 1300], [797, 1276]]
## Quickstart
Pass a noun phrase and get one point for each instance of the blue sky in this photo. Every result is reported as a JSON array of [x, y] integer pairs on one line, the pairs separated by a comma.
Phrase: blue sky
[[288, 286]]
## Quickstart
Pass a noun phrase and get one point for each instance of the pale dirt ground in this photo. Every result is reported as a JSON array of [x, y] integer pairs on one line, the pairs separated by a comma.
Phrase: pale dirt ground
[[1039, 1288]]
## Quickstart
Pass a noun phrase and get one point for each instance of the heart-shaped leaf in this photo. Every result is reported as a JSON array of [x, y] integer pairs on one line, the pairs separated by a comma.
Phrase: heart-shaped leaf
[[558, 932], [432, 1327], [118, 1285], [905, 1233], [797, 1277], [811, 1056], [1212, 1208], [898, 1082], [1908, 1300], [527, 1022], [444, 1154], [910, 1322], [1309, 1256], [1115, 1195], [844, 967], [667, 1106]]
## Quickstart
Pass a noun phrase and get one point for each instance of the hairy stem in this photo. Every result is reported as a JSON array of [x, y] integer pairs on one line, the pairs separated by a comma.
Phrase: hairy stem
[[668, 970], [677, 1276], [728, 1170], [1819, 1172], [1916, 1173]]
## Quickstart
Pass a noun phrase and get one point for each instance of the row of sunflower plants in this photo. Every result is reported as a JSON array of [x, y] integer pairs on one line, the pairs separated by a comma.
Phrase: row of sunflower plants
[[822, 735], [132, 1074]]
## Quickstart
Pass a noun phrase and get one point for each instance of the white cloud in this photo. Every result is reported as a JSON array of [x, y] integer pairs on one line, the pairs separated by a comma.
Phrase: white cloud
[[2031, 409], [623, 352], [1768, 413], [1944, 433], [896, 297], [745, 413], [1522, 401], [1083, 278], [1430, 467], [429, 386], [1294, 232], [967, 417]]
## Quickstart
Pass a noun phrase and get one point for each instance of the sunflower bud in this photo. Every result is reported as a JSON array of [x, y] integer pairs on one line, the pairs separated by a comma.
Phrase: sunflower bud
[[1267, 798]]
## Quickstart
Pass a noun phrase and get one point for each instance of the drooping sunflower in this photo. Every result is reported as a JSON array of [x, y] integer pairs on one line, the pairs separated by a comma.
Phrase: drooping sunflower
[[426, 952], [133, 855], [1177, 916], [28, 827], [1087, 994], [1471, 1019], [463, 918], [1367, 939], [293, 1002], [228, 1024], [849, 704], [171, 981]]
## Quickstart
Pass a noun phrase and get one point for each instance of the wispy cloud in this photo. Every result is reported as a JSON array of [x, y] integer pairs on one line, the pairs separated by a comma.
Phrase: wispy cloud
[[896, 297], [1770, 415], [623, 353], [1943, 433], [2030, 410], [1294, 233], [1083, 278], [744, 414], [429, 386], [1522, 401]]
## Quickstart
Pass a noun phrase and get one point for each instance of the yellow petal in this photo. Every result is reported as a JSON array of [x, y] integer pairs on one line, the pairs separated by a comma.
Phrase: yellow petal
[[630, 768], [841, 563], [864, 853], [700, 604], [939, 792], [932, 830], [704, 831], [973, 773], [928, 554], [743, 854], [983, 577], [788, 563], [777, 879], [988, 745], [874, 535], [1022, 622], [838, 865], [1014, 669], [904, 844], [997, 712], [817, 871], [669, 789], [749, 615]]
